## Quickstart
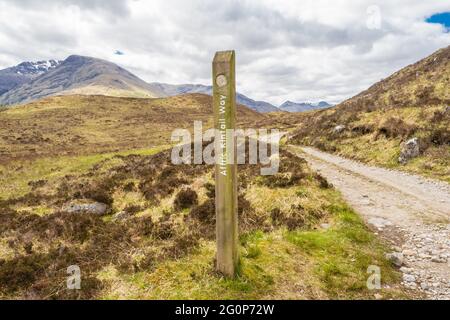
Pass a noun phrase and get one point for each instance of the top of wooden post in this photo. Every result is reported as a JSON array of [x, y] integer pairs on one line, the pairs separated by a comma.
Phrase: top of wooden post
[[224, 56]]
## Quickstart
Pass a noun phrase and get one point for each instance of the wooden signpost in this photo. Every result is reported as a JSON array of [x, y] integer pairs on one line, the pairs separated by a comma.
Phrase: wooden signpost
[[224, 93]]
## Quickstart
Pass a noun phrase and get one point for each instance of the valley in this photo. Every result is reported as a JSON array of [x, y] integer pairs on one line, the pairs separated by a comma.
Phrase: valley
[[86, 179]]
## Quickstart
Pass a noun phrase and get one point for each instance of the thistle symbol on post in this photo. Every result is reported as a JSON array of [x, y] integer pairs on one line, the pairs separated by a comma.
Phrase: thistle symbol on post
[[221, 80]]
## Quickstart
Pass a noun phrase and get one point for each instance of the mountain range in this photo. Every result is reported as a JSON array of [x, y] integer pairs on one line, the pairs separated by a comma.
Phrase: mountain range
[[30, 81], [80, 75], [173, 90]]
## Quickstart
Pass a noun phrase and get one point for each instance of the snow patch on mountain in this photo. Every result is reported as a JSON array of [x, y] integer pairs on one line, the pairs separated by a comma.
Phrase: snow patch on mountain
[[24, 72]]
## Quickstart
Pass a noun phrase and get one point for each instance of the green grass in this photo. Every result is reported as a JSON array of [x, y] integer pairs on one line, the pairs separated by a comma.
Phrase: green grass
[[343, 253], [194, 277], [318, 264], [14, 178]]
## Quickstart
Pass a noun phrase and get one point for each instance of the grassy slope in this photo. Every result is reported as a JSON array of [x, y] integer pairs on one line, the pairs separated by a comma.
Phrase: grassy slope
[[289, 259], [411, 103], [132, 92], [84, 125], [15, 176]]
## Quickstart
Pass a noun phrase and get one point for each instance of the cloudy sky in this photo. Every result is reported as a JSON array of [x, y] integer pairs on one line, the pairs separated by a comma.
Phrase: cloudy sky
[[307, 50]]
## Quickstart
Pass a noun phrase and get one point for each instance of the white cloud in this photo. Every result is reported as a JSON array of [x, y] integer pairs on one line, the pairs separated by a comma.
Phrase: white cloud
[[286, 50]]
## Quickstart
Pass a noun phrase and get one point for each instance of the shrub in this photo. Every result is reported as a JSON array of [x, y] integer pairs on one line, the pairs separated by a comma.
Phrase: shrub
[[186, 198], [132, 208], [440, 136], [395, 127], [362, 129], [205, 213], [210, 190], [323, 182]]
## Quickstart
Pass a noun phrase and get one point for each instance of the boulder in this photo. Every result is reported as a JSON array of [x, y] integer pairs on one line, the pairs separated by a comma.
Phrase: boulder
[[410, 150], [96, 208], [339, 129], [396, 258], [409, 278]]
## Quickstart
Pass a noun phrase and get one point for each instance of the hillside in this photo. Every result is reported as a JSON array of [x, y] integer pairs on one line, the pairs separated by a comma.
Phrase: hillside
[[92, 124], [373, 125], [81, 75], [66, 152]]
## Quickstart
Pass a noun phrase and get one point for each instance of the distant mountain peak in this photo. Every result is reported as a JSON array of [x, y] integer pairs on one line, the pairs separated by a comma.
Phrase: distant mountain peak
[[75, 58], [323, 104], [24, 72], [77, 75], [291, 106], [38, 67]]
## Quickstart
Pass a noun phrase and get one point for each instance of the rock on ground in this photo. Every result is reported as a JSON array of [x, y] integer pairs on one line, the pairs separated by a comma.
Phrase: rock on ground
[[96, 208], [339, 129], [410, 150], [396, 258]]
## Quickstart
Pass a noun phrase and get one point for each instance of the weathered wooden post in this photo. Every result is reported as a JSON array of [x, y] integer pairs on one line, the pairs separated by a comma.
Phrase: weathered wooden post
[[224, 93]]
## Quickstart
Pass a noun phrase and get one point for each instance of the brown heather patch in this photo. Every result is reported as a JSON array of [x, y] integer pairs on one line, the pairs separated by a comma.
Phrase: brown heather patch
[[45, 245]]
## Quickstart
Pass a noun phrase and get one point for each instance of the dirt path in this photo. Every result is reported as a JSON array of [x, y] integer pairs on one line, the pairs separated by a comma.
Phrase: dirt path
[[411, 212]]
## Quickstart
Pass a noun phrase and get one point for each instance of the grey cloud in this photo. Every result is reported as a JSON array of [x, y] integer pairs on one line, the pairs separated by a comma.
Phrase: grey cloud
[[258, 26], [279, 55], [118, 7]]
